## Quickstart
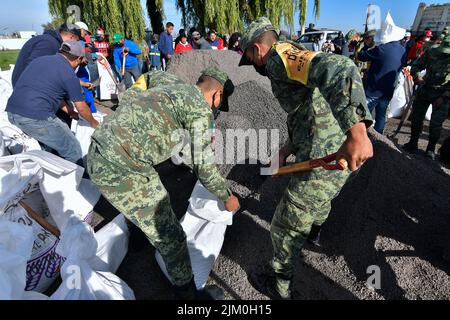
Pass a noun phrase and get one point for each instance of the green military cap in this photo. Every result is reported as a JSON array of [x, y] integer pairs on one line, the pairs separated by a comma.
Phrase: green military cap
[[256, 29], [117, 37], [228, 86], [370, 33], [351, 34]]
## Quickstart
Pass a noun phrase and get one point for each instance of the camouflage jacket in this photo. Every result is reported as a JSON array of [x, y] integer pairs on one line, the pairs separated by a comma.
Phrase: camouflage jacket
[[437, 65], [323, 95], [146, 130]]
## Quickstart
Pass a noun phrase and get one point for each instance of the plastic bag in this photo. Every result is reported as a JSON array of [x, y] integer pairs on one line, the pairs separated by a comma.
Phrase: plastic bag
[[108, 88], [80, 281], [205, 224], [112, 242], [16, 243], [398, 102], [83, 131]]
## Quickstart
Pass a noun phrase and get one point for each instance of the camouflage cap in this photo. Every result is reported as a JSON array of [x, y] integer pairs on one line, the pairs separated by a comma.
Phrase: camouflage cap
[[228, 86], [351, 34], [256, 29]]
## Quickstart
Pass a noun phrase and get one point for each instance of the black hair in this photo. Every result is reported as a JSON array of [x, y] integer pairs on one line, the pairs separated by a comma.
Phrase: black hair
[[234, 37], [267, 38], [209, 83], [169, 24], [445, 152]]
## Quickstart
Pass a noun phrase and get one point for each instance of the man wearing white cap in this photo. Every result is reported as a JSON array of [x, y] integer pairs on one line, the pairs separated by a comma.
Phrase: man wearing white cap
[[387, 60], [37, 97]]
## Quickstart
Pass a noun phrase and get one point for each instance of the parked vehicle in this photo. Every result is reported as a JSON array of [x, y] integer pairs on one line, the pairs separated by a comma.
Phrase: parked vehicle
[[307, 39]]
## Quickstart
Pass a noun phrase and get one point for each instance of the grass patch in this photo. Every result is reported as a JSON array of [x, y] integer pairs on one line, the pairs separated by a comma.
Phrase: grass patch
[[7, 58]]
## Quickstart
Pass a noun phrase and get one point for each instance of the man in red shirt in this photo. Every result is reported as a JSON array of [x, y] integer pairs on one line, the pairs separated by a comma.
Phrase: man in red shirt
[[100, 43], [414, 53]]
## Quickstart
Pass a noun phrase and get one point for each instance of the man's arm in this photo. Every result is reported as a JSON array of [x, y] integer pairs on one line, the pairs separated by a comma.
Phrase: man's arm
[[419, 65], [85, 113], [339, 81], [162, 45], [367, 54], [133, 48]]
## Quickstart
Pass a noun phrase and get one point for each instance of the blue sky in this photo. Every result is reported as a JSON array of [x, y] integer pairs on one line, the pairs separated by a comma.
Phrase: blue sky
[[342, 15]]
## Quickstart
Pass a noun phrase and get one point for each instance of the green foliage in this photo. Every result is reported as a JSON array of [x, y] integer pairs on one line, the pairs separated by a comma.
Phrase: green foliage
[[122, 16]]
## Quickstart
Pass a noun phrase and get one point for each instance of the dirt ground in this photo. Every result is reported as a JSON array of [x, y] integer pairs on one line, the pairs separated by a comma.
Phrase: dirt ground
[[395, 214]]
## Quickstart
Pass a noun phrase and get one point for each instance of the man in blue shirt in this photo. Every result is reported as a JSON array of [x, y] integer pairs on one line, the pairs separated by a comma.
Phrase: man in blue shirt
[[166, 45], [38, 95], [47, 44], [127, 47], [387, 61]]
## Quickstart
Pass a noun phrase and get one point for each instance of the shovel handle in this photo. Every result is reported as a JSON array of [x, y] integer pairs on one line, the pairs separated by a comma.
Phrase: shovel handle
[[324, 163], [42, 222]]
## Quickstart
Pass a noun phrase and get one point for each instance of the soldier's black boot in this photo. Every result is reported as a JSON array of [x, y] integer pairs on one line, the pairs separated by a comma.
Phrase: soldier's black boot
[[314, 236], [270, 284]]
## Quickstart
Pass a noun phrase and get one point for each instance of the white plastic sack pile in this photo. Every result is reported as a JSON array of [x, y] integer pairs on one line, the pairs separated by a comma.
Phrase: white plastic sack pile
[[80, 281], [205, 224], [399, 101], [83, 131], [16, 242]]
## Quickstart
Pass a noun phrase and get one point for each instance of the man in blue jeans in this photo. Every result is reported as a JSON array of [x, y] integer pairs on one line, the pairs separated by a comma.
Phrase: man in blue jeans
[[387, 61], [132, 50], [38, 95]]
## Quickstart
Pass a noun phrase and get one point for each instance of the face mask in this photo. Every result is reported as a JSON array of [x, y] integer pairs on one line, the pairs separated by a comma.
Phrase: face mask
[[427, 39], [77, 69]]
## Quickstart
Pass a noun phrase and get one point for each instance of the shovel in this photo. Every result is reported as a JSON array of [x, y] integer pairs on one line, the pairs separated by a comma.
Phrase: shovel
[[329, 163], [124, 62]]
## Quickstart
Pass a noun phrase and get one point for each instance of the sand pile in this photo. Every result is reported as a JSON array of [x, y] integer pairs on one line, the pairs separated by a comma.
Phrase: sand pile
[[189, 65]]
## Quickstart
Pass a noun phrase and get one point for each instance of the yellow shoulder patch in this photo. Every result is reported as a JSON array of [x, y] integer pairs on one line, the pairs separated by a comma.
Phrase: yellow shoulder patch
[[141, 83], [296, 61]]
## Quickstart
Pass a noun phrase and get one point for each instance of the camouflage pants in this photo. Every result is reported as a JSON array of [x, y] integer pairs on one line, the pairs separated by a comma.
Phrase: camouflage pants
[[424, 98], [306, 202], [146, 203]]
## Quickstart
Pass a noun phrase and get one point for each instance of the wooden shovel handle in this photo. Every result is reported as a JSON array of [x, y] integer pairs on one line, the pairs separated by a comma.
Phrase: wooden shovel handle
[[42, 222]]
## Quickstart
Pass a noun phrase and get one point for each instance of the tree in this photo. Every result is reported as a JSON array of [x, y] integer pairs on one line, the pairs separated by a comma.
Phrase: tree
[[115, 16], [52, 25], [156, 14], [227, 16]]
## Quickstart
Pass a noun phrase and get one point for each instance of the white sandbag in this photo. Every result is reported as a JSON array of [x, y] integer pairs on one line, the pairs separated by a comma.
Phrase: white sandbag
[[112, 242], [14, 139], [16, 242], [80, 281], [398, 102], [108, 88], [60, 182], [205, 224], [83, 131]]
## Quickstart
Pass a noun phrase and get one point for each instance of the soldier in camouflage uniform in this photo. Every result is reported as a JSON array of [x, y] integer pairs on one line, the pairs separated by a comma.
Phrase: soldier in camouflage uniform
[[326, 105], [145, 132], [435, 90]]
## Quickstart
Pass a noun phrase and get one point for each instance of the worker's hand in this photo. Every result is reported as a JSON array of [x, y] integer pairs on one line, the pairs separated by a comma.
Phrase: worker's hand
[[232, 204], [89, 86], [283, 154], [438, 102], [94, 124], [74, 115], [357, 148]]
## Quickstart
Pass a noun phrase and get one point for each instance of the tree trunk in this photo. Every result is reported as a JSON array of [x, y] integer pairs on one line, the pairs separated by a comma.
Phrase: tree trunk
[[155, 12]]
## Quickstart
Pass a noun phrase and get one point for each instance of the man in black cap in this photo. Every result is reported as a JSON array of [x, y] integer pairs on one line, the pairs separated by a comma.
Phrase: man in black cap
[[37, 97], [47, 44]]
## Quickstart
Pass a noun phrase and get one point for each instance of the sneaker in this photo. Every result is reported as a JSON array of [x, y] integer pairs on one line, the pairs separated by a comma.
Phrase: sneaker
[[314, 236], [431, 155], [266, 284], [411, 147]]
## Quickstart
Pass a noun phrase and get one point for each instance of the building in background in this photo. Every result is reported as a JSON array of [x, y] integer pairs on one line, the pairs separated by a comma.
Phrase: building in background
[[16, 41], [435, 16]]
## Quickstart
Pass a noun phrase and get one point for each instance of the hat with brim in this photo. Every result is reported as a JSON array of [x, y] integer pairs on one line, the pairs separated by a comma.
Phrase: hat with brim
[[255, 30], [117, 37], [83, 26], [73, 48], [445, 45], [224, 80]]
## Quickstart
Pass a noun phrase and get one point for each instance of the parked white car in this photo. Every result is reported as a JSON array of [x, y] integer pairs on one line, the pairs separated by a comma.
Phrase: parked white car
[[307, 39]]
